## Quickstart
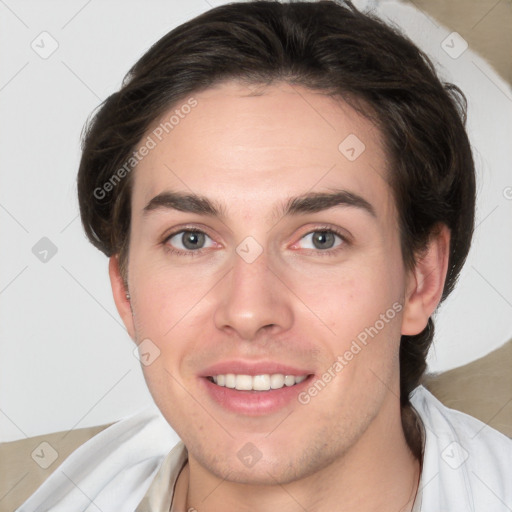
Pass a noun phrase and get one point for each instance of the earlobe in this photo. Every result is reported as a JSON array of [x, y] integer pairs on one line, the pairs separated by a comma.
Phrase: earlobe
[[121, 295], [426, 282]]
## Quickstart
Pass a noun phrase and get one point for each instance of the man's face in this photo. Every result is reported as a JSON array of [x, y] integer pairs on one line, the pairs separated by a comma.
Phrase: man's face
[[268, 286]]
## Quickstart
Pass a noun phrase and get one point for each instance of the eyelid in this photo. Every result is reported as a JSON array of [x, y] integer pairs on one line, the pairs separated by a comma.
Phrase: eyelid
[[185, 227], [345, 238], [176, 230], [343, 234]]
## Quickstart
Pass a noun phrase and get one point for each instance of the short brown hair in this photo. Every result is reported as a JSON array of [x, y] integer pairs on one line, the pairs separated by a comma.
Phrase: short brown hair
[[326, 47]]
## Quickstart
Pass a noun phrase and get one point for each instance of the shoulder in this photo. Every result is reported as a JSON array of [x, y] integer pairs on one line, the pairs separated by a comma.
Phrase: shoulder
[[467, 464], [116, 464]]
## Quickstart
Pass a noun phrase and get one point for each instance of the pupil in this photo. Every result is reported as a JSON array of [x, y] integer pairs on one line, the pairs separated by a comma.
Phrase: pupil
[[323, 239], [192, 240]]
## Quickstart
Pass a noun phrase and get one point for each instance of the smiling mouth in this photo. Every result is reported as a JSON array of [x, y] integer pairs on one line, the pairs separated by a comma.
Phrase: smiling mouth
[[263, 382]]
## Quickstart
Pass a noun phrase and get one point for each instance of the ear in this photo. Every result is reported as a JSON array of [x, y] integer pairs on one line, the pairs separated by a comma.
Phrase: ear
[[425, 282], [119, 292]]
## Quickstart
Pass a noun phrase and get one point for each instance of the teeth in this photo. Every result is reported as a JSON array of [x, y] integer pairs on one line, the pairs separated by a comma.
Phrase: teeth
[[277, 381], [261, 382], [243, 382], [257, 382], [230, 380], [289, 380]]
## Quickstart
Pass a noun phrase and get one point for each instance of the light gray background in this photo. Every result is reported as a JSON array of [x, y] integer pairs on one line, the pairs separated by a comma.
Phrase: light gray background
[[65, 358]]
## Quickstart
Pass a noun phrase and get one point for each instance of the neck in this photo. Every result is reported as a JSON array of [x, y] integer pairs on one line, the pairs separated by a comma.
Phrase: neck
[[379, 472]]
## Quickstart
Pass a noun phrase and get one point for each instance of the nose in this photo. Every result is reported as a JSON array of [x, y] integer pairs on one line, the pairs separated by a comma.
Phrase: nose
[[253, 300]]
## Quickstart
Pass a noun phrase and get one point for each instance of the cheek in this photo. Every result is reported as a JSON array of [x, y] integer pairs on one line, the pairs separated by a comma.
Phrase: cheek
[[351, 297], [361, 306], [163, 298], [172, 309]]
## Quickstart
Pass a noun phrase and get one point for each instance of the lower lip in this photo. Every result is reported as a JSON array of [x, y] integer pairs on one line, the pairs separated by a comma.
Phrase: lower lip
[[254, 403]]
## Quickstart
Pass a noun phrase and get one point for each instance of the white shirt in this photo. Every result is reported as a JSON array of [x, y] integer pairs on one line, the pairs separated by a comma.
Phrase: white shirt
[[134, 464]]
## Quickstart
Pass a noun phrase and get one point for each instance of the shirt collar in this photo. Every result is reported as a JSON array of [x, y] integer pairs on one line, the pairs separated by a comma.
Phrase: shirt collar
[[160, 494], [159, 497]]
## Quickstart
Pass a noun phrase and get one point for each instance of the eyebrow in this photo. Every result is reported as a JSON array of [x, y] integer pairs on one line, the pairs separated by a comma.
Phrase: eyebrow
[[312, 202], [191, 203]]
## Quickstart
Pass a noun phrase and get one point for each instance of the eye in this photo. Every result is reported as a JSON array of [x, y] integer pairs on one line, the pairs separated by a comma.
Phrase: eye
[[322, 239], [188, 240]]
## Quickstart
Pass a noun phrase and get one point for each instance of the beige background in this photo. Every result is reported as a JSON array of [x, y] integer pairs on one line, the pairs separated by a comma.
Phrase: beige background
[[485, 24]]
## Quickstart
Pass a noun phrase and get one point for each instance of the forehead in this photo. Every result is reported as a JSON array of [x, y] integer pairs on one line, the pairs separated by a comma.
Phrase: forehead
[[241, 144]]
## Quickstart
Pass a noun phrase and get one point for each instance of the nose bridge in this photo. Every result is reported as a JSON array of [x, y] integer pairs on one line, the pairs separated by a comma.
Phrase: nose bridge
[[250, 278], [252, 297]]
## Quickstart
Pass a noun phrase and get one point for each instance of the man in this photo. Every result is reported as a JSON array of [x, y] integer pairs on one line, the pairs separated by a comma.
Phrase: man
[[286, 194]]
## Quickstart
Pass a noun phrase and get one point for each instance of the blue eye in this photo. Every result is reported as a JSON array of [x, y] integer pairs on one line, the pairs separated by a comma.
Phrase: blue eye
[[323, 239], [189, 240], [193, 241]]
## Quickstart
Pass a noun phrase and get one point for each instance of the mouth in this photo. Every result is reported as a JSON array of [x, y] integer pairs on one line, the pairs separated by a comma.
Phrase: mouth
[[263, 382], [254, 388]]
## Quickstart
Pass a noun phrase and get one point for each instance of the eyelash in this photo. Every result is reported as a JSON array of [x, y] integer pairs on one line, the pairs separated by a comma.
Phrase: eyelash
[[328, 252], [199, 252], [179, 252]]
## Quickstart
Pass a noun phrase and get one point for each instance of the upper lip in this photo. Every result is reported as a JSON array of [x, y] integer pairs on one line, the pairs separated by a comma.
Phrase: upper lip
[[241, 367]]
